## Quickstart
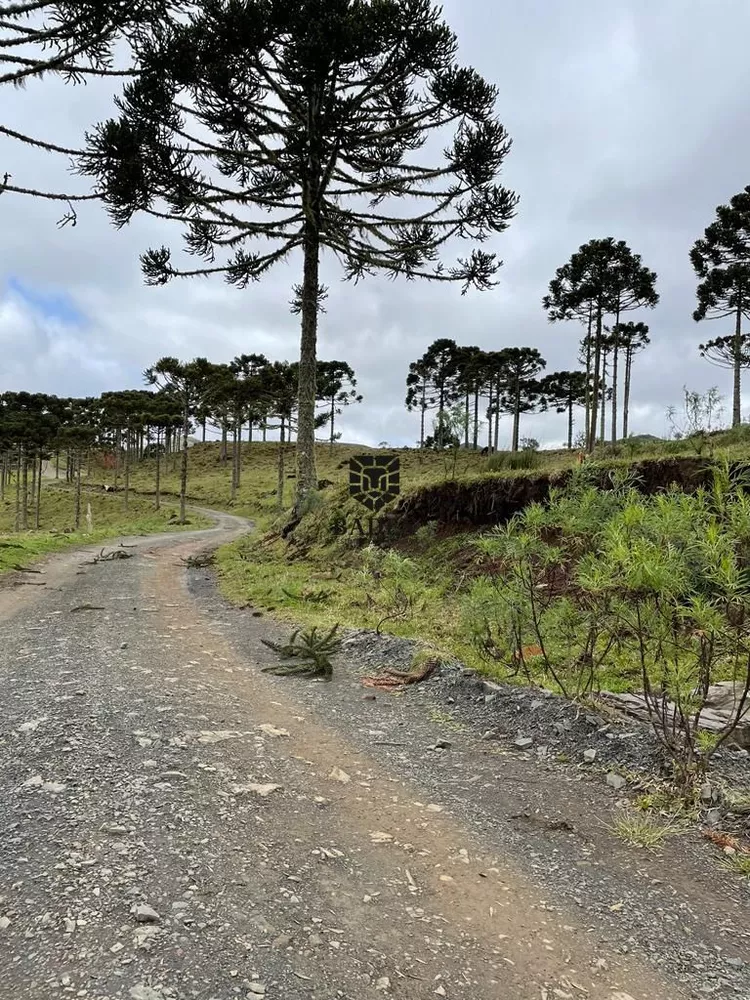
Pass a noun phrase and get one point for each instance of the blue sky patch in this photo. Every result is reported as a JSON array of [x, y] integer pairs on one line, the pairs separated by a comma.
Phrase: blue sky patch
[[52, 305]]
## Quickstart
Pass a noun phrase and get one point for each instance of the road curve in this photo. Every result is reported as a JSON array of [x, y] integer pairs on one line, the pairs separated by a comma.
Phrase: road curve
[[176, 825]]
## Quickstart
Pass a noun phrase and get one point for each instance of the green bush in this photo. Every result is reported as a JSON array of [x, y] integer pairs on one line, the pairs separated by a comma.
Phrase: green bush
[[613, 588]]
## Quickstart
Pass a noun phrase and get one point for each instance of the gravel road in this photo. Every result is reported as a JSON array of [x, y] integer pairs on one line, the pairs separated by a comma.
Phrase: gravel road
[[177, 825]]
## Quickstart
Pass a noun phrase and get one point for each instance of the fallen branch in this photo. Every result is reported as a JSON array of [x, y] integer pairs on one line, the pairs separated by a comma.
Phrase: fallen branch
[[395, 680], [26, 569], [113, 556], [309, 647], [200, 560], [86, 607]]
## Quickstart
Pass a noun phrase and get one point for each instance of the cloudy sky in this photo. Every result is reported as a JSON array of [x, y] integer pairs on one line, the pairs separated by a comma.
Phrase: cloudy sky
[[629, 119]]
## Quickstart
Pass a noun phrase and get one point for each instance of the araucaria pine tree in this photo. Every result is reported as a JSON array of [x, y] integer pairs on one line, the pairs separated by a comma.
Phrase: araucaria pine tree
[[632, 338], [603, 277], [721, 261], [273, 128]]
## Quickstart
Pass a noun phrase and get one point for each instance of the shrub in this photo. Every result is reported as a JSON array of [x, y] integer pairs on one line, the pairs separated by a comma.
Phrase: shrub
[[654, 589]]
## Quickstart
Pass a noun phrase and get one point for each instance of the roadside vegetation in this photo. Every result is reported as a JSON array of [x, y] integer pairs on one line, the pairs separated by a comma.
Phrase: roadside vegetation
[[595, 589]]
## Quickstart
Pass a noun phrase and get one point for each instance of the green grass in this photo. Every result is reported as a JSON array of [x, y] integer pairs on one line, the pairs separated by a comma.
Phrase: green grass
[[736, 864], [320, 579], [642, 829], [335, 582], [57, 517], [209, 479]]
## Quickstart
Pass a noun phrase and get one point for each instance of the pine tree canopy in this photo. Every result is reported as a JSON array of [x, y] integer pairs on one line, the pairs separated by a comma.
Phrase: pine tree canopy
[[254, 117]]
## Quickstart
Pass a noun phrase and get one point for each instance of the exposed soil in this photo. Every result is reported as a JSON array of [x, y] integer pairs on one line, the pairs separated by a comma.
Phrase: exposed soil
[[488, 500], [176, 824]]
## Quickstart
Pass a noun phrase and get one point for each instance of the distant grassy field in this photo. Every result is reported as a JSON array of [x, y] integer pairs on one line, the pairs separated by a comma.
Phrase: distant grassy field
[[57, 517], [209, 479]]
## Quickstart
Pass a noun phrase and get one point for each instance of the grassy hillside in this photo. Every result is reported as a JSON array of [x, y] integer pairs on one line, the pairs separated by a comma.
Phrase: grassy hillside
[[210, 478], [418, 585]]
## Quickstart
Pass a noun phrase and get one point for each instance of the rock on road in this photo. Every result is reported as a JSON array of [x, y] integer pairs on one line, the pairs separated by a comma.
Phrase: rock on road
[[176, 825]]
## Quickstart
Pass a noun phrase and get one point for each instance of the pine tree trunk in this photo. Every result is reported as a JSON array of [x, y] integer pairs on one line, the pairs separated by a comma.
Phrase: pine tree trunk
[[497, 414], [475, 440], [128, 436], [25, 493], [440, 424], [19, 459], [203, 430], [184, 468], [117, 455], [595, 389], [57, 464], [603, 399], [38, 504], [223, 452], [233, 493], [307, 477], [333, 420], [280, 468], [424, 409], [737, 393], [79, 463], [626, 392], [516, 417], [239, 450], [467, 412], [616, 351], [157, 484], [490, 416], [587, 396], [570, 423], [265, 432], [34, 469]]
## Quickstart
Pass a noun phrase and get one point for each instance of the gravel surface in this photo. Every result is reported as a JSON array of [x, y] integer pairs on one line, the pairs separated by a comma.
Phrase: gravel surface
[[176, 824]]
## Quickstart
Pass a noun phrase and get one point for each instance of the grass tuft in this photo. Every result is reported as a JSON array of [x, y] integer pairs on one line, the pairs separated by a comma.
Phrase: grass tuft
[[642, 829], [736, 864]]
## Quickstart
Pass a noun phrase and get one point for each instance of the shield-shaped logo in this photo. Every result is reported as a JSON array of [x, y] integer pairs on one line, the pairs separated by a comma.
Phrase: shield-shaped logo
[[374, 479]]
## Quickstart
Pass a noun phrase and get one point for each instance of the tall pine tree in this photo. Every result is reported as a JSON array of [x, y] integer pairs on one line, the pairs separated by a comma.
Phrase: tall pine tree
[[604, 277], [275, 128], [721, 261]]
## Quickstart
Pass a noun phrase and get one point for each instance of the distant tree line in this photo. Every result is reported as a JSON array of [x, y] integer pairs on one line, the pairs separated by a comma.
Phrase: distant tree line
[[603, 279], [249, 396]]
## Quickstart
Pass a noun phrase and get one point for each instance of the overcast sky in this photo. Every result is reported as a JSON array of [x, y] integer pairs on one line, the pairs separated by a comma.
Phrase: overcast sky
[[629, 119]]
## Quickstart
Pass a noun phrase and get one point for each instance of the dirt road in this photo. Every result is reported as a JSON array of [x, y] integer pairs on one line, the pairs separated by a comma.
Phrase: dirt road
[[176, 825]]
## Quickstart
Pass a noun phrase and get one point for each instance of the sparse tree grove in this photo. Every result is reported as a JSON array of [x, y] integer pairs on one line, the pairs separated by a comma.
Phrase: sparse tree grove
[[124, 427]]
